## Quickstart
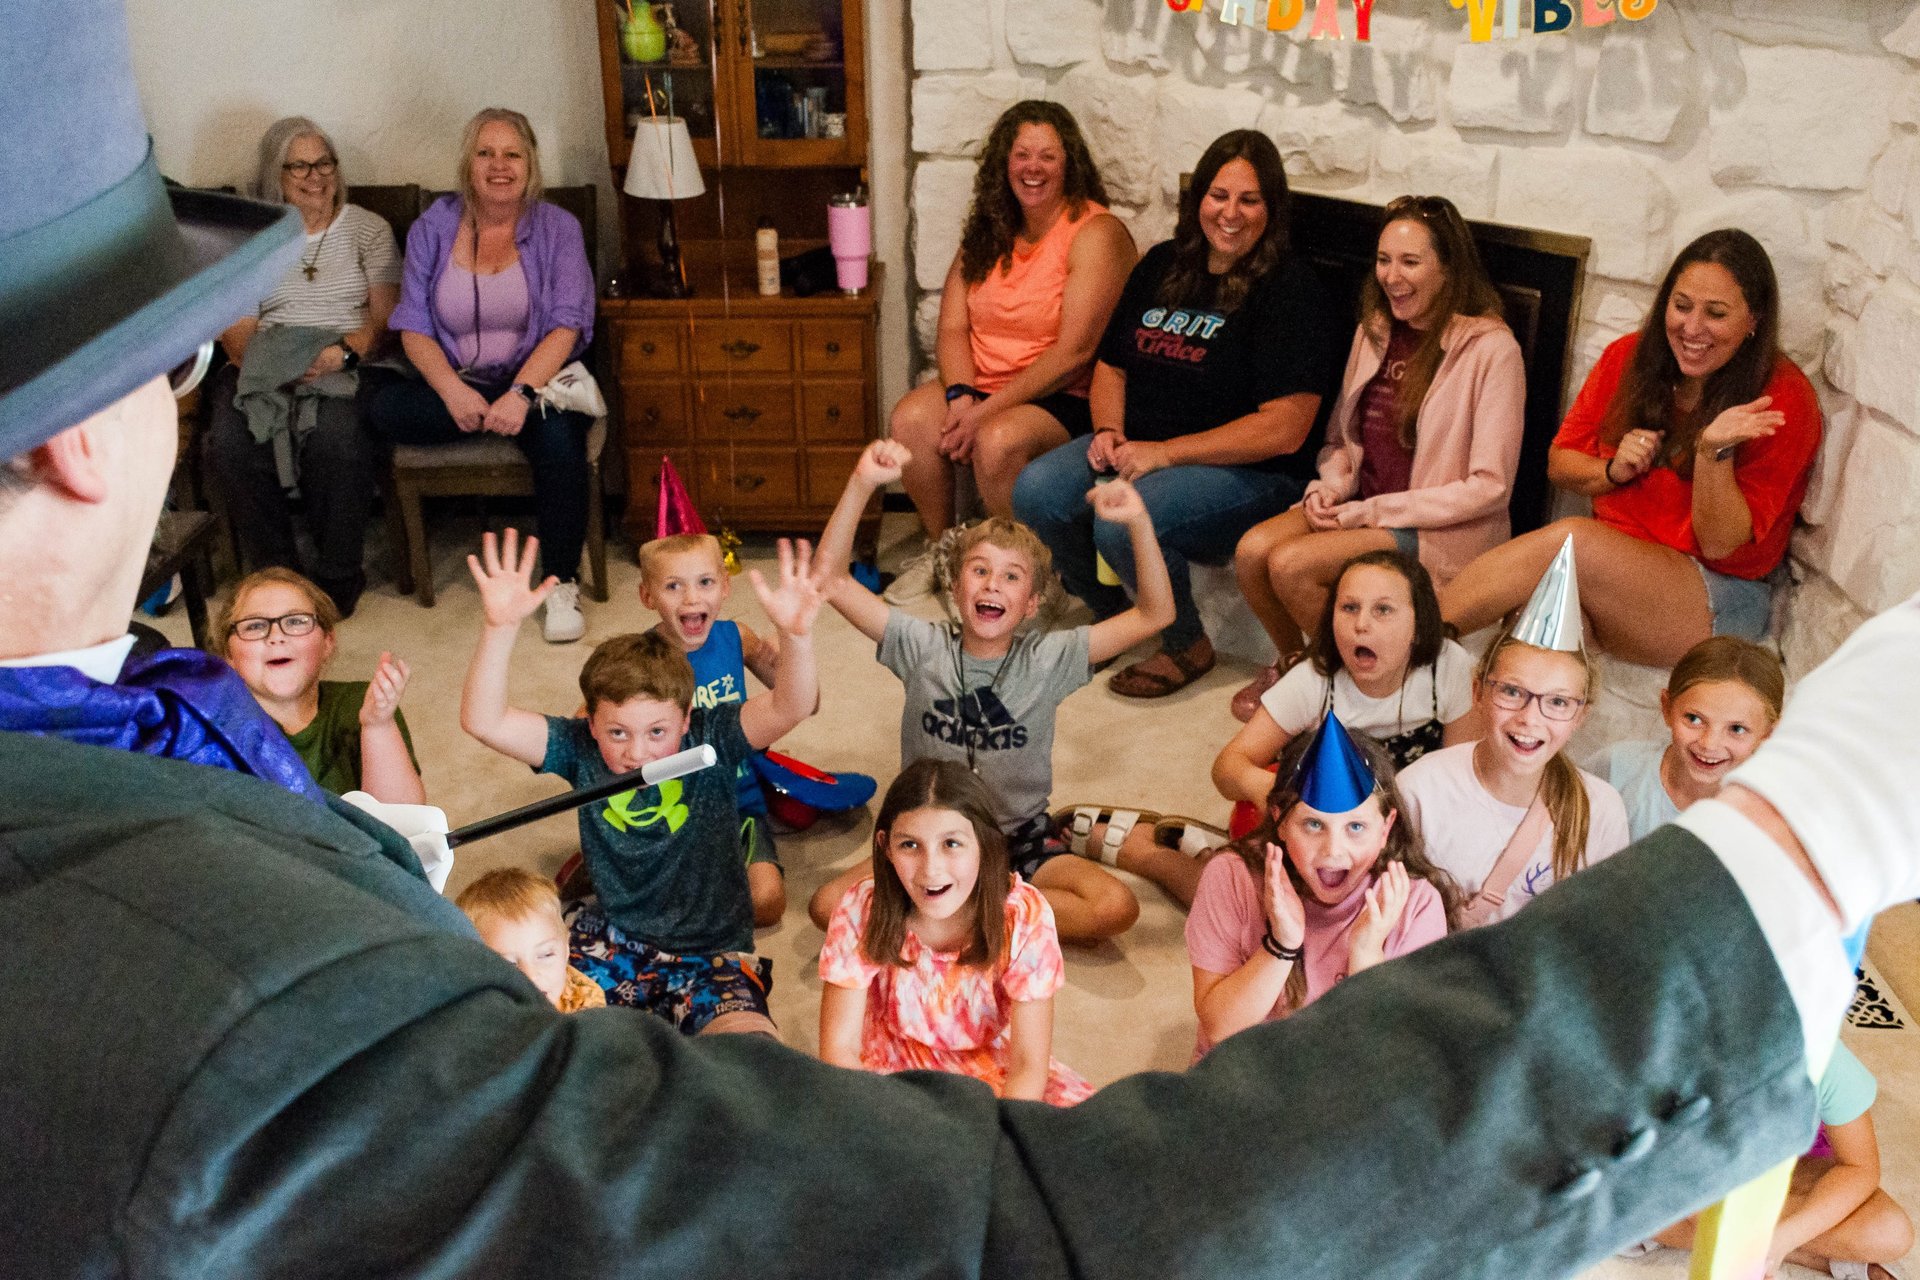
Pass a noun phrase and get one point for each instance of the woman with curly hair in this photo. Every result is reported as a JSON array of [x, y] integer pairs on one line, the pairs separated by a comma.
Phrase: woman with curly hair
[[1205, 396], [1040, 265]]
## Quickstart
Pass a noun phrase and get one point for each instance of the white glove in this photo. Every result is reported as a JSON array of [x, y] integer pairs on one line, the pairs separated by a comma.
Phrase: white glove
[[423, 825], [1843, 766]]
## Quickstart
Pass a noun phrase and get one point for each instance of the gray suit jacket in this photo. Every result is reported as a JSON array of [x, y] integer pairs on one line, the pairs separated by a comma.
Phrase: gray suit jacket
[[242, 1038]]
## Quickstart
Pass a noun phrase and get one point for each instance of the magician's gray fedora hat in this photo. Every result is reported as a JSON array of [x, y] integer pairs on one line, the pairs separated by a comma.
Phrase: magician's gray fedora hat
[[108, 278]]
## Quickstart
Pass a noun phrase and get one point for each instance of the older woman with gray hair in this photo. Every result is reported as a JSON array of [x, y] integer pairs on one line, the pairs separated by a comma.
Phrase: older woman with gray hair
[[284, 416]]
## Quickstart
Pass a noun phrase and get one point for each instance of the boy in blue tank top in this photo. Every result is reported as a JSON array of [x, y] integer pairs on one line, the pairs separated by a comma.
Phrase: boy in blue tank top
[[684, 580]]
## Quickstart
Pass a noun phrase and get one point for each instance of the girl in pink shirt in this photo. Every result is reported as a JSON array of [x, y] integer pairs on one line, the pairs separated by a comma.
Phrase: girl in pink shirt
[[1315, 895]]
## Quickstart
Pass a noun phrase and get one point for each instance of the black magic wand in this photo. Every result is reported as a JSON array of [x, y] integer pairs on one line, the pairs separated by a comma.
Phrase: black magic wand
[[677, 765]]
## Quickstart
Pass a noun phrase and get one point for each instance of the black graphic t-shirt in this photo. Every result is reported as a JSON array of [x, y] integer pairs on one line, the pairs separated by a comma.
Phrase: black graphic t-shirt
[[1191, 369], [994, 714]]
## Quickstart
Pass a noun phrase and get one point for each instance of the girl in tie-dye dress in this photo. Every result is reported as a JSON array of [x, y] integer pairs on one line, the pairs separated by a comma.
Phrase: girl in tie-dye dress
[[945, 960]]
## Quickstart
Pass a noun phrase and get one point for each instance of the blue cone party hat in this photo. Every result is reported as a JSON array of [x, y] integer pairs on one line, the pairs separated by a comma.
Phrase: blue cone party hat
[[1333, 776], [1551, 619]]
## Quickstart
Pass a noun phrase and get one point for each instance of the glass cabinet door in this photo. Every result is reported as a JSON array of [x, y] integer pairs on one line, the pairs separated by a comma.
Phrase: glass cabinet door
[[666, 68], [799, 84]]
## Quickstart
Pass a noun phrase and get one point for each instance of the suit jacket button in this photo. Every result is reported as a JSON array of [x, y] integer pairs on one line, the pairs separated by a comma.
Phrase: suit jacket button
[[1633, 1146], [1582, 1183], [1690, 1111]]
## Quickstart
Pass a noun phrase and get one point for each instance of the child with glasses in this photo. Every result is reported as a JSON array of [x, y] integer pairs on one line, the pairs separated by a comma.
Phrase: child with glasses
[[277, 634], [1509, 815]]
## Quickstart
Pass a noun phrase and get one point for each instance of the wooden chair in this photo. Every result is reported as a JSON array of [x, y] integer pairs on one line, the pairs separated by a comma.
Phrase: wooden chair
[[488, 466]]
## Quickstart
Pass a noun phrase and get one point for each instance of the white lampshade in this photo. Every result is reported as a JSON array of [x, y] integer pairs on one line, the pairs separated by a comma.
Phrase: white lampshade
[[662, 165]]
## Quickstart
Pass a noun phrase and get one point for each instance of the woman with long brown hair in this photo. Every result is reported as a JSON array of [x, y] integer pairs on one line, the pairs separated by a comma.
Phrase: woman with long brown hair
[[1205, 396], [1040, 265], [1423, 441], [1695, 438]]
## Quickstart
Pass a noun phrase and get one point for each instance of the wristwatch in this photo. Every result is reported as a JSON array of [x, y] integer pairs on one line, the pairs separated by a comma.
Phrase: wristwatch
[[349, 358], [527, 393], [957, 389]]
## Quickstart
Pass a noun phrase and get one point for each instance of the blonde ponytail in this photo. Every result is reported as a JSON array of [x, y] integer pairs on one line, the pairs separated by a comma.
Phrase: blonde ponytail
[[1565, 798]]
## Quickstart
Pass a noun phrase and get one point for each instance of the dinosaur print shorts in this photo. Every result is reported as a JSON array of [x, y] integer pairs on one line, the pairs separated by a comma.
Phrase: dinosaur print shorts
[[688, 991]]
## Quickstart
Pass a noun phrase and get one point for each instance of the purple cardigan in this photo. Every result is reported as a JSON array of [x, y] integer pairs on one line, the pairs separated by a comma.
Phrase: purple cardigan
[[560, 288]]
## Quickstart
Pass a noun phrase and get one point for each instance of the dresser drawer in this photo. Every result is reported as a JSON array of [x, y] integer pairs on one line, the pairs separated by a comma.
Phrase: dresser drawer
[[828, 471], [745, 411], [654, 412], [743, 346], [834, 411], [832, 346], [650, 348], [750, 478]]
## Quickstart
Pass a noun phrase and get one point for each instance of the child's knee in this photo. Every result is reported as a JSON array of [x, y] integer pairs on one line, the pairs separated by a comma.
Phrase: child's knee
[[1111, 908]]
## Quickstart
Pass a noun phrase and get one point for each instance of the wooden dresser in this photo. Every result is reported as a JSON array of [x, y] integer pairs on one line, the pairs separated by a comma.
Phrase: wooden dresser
[[764, 404]]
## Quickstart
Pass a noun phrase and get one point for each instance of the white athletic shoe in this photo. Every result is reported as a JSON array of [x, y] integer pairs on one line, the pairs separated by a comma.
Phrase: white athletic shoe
[[915, 579], [563, 622]]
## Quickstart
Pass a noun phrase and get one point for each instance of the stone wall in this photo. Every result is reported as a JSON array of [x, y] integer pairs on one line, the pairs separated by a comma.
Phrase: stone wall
[[1793, 120]]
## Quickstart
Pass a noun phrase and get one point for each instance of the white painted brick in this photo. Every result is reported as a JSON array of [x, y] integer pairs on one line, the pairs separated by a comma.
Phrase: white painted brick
[[1120, 116], [1858, 225], [1848, 282], [1054, 33], [1819, 618], [942, 192], [1888, 351], [926, 322], [1871, 545], [1788, 130], [1842, 414], [951, 37], [1904, 39], [1643, 79], [1394, 70], [1892, 176], [1518, 87], [1323, 146], [952, 115], [1615, 198], [1424, 166], [1191, 117]]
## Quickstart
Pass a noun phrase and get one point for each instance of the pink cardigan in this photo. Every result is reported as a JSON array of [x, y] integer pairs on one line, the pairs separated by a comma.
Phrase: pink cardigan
[[1466, 445]]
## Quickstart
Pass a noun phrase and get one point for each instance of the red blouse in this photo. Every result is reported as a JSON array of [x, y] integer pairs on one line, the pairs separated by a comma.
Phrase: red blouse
[[1658, 507]]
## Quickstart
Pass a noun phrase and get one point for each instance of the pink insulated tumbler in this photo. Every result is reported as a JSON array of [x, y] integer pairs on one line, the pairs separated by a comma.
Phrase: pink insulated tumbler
[[850, 232]]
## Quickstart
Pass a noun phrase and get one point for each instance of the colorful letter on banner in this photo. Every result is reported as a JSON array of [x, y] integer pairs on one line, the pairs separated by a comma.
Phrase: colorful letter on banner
[[1236, 13], [1480, 17], [1732, 1240], [1634, 10], [1326, 20], [1551, 15], [1284, 15], [1185, 6], [1363, 19], [1595, 13]]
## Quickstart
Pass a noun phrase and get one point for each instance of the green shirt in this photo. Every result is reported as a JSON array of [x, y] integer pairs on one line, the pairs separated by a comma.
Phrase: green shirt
[[331, 743]]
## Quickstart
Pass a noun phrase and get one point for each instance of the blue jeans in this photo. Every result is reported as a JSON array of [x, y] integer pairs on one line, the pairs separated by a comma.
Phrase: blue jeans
[[1199, 513]]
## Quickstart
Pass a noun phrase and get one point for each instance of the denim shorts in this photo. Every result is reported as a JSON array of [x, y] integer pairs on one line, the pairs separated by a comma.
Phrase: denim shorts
[[1406, 541], [1740, 606]]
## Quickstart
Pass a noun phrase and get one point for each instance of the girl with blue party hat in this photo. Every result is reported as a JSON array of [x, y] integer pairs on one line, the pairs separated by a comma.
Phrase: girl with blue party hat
[[1509, 815], [1333, 882]]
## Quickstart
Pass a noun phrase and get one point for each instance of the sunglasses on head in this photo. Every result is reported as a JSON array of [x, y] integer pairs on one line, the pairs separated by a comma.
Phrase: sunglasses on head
[[186, 375]]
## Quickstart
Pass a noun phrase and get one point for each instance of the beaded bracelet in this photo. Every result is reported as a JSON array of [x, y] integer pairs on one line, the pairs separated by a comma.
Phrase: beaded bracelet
[[1272, 946]]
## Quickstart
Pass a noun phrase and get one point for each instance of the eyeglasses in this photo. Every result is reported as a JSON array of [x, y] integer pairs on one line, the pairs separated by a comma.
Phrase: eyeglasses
[[301, 168], [186, 375], [1554, 706], [290, 624]]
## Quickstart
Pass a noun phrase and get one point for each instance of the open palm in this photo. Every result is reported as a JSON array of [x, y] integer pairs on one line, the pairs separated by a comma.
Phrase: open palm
[[794, 600]]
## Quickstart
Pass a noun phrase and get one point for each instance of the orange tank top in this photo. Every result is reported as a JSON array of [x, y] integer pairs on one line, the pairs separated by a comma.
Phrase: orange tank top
[[1014, 314]]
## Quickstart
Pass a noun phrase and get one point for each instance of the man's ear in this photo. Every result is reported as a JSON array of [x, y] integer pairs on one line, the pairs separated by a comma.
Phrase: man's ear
[[72, 462]]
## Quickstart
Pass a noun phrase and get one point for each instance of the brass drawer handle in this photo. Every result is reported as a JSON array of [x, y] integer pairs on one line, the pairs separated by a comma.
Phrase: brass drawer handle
[[739, 348], [833, 348], [741, 413], [748, 483]]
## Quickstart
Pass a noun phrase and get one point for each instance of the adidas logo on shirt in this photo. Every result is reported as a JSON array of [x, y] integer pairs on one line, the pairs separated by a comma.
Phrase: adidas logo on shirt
[[978, 719]]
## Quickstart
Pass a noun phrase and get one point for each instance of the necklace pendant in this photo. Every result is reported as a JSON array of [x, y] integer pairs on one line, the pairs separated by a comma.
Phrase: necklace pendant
[[309, 271]]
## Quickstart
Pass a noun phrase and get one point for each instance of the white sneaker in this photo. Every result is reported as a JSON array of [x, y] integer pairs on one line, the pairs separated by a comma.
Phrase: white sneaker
[[563, 622], [915, 581]]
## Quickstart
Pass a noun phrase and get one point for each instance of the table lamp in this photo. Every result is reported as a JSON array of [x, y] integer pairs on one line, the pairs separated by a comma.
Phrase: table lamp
[[662, 167]]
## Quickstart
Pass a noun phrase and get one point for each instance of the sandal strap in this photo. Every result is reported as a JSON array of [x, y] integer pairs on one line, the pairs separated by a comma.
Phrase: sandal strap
[[1119, 824]]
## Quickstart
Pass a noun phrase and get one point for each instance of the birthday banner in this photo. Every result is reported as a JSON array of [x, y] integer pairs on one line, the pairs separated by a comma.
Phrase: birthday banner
[[1548, 15]]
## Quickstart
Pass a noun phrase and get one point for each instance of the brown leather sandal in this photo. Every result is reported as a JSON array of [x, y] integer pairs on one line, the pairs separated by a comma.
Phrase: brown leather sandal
[[1141, 680]]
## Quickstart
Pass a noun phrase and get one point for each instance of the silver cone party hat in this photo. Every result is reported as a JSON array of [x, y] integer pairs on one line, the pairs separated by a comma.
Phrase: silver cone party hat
[[1551, 619]]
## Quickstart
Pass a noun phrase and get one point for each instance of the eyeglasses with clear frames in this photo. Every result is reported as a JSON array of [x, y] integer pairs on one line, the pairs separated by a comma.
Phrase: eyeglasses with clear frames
[[1554, 706], [290, 624], [301, 168]]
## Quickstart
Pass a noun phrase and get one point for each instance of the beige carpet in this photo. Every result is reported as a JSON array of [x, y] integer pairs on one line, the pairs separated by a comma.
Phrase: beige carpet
[[1127, 1006]]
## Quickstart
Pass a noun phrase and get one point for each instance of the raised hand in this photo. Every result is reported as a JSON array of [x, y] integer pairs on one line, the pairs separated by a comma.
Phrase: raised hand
[[383, 691], [882, 463], [504, 572], [1286, 917], [1385, 903], [1117, 502], [794, 602], [1639, 453], [1743, 422]]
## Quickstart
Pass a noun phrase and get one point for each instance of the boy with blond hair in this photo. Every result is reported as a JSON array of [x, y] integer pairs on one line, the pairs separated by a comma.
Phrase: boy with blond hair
[[984, 693], [671, 927], [517, 914], [684, 579]]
